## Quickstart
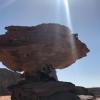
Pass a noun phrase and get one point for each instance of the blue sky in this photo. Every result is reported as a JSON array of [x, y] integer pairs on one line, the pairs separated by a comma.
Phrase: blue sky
[[84, 20]]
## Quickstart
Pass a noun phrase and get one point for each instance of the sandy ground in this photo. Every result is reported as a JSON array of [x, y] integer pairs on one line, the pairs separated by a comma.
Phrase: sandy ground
[[9, 98], [98, 99], [5, 98]]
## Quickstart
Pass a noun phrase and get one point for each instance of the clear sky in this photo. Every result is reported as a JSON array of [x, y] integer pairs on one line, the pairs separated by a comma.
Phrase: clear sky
[[82, 16]]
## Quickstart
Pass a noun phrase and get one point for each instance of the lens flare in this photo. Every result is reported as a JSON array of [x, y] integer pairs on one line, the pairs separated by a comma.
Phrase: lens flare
[[69, 23]]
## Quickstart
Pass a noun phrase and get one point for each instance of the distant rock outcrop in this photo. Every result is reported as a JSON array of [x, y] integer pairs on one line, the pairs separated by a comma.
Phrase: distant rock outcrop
[[81, 90], [95, 91], [7, 78]]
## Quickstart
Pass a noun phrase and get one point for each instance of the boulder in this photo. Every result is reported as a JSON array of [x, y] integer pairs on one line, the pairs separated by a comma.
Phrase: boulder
[[7, 78], [27, 49]]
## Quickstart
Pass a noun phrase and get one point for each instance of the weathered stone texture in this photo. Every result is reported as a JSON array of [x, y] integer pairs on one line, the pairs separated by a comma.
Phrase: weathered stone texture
[[7, 78], [29, 48], [50, 90]]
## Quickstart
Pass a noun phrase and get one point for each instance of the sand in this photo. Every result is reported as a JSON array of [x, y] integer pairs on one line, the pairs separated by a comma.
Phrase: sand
[[5, 98]]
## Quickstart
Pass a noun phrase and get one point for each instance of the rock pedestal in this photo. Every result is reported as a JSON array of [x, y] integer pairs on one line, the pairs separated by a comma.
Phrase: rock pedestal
[[43, 90], [29, 49]]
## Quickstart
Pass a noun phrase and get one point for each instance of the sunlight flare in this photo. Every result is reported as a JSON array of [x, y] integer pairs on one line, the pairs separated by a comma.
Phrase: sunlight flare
[[69, 23], [66, 3]]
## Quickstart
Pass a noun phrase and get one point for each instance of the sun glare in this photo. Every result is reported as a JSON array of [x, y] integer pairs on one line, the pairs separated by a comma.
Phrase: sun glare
[[69, 23]]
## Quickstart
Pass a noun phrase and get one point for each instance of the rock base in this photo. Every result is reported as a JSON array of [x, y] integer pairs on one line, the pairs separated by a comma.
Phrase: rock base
[[43, 90]]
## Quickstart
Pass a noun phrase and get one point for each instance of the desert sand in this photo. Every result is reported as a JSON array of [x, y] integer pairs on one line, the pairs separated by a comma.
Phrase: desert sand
[[5, 98]]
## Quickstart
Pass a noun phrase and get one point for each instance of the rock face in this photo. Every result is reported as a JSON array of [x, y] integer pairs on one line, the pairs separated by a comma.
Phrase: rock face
[[44, 90], [29, 48], [82, 90], [7, 78], [95, 91]]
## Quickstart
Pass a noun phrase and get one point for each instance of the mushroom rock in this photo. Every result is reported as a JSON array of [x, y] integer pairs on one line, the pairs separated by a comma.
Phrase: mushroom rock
[[27, 49]]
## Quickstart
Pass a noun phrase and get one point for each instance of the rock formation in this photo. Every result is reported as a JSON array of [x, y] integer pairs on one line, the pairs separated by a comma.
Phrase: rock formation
[[29, 48], [43, 90], [7, 78], [38, 51], [95, 91]]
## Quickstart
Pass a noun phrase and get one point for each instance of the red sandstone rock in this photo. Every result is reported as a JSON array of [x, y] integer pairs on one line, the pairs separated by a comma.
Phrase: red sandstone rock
[[28, 48]]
